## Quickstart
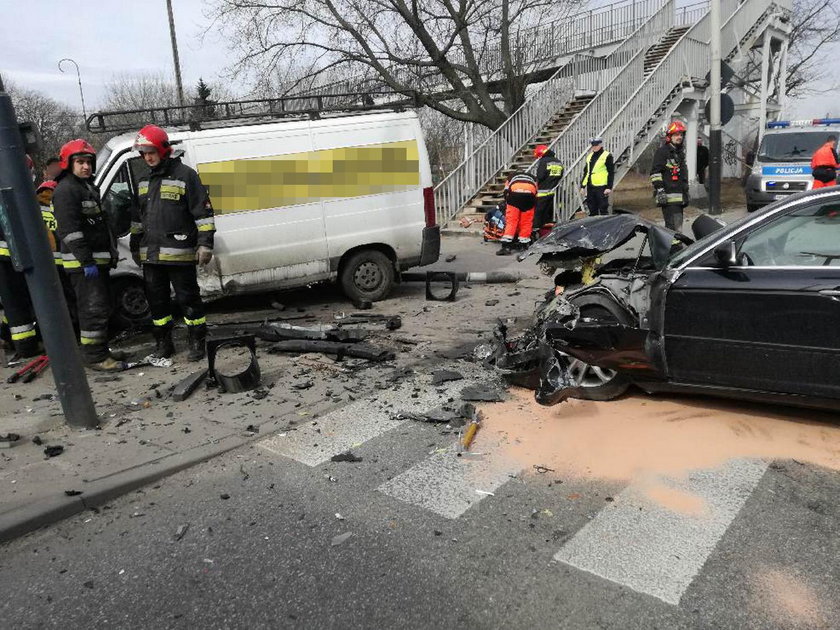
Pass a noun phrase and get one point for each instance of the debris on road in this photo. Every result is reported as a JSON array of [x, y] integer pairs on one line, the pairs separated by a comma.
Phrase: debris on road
[[444, 376], [185, 387], [491, 302], [9, 440], [228, 378], [355, 350], [481, 393], [72, 493], [341, 538], [445, 293], [451, 258], [53, 451], [345, 457], [224, 496], [179, 533], [469, 435]]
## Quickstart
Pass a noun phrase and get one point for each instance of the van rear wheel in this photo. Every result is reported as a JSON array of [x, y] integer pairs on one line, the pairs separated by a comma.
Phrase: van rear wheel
[[367, 275]]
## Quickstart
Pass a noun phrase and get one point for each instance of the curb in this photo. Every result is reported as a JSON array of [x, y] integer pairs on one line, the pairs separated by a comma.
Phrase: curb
[[43, 512]]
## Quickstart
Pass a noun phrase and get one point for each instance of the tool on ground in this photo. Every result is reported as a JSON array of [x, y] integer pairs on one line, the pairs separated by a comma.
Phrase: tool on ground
[[29, 371], [472, 429]]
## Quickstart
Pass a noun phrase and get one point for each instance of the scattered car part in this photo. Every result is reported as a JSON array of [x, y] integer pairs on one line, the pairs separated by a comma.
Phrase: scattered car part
[[247, 379], [9, 440], [54, 451], [185, 387], [355, 350], [481, 393], [445, 295]]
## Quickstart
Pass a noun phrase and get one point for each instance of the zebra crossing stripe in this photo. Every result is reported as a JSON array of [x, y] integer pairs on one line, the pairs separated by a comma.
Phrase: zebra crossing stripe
[[358, 422], [657, 551], [450, 485]]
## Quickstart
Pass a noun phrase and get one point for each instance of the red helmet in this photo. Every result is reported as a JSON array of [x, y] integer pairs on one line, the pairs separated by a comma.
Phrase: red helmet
[[153, 137], [675, 127], [48, 184], [540, 150], [72, 149]]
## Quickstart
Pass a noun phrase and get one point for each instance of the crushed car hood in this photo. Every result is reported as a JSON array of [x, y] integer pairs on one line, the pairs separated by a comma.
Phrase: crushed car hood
[[593, 236]]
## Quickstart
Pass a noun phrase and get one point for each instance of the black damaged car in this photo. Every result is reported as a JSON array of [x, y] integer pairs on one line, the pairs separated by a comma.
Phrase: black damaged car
[[749, 310]]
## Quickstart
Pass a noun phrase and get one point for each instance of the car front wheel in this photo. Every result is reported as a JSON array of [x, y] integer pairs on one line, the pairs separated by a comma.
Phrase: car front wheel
[[598, 383]]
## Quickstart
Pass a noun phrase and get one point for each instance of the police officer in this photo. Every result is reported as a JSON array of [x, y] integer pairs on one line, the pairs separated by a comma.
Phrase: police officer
[[549, 172], [88, 250], [598, 175], [669, 176], [171, 232]]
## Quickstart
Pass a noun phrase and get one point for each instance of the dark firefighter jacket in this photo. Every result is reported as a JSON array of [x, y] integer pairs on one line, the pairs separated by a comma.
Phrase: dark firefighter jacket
[[669, 173], [49, 223], [174, 216], [81, 225], [549, 173]]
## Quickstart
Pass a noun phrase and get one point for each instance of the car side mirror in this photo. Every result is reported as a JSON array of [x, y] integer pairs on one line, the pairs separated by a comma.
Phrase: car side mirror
[[726, 254]]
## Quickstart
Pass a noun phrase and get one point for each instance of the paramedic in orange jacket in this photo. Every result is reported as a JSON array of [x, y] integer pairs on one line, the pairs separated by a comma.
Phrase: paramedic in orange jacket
[[521, 199], [824, 164]]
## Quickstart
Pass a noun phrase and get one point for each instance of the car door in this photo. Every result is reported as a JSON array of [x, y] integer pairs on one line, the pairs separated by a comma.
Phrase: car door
[[771, 322]]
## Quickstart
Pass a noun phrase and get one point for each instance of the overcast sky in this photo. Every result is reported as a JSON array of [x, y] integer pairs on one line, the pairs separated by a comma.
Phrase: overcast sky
[[124, 36]]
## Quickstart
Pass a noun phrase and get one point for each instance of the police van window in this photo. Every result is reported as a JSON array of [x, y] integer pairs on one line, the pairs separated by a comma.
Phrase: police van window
[[118, 201], [807, 237], [791, 147]]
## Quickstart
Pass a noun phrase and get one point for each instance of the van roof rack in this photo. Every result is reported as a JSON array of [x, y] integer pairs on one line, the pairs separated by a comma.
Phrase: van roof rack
[[213, 114]]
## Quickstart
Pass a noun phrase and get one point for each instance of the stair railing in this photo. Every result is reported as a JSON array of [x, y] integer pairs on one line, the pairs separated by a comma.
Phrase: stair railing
[[586, 74], [689, 55]]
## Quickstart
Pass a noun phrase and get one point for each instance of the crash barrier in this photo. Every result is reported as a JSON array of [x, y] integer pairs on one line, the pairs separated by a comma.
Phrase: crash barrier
[[247, 379]]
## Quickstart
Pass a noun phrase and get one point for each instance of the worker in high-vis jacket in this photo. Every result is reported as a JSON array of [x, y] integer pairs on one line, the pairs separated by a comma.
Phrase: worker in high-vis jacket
[[171, 232], [824, 164], [597, 181]]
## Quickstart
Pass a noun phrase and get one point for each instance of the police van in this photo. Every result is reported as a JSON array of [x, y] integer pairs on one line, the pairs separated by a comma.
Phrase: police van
[[783, 163], [297, 201]]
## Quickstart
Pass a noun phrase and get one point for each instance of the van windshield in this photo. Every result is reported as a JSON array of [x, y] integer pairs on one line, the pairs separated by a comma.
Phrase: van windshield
[[791, 147]]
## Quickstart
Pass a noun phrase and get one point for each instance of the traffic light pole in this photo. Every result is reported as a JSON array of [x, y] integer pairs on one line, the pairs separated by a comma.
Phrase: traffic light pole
[[715, 134], [31, 254]]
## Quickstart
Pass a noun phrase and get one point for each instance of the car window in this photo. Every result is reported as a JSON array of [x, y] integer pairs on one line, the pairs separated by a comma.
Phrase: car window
[[808, 236], [121, 195]]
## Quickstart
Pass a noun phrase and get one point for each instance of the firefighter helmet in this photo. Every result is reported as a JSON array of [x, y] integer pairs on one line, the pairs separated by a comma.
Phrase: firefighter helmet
[[153, 137], [75, 148], [675, 127], [540, 150]]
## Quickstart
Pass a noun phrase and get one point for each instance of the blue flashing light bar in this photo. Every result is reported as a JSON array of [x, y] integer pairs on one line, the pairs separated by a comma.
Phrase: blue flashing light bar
[[814, 122]]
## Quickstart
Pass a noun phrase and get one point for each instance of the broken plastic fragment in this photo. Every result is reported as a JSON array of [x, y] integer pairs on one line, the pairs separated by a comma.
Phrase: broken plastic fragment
[[341, 538]]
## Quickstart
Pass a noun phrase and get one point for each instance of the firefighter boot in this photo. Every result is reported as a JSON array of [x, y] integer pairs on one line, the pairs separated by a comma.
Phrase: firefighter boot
[[107, 365], [197, 341], [164, 347]]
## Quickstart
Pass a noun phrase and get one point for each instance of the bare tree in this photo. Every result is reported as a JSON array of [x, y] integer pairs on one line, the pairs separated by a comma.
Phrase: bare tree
[[56, 122], [139, 91], [469, 59]]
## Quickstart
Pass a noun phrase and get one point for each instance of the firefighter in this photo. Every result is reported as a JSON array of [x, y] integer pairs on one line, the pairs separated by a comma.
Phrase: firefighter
[[521, 200], [669, 176], [598, 175], [824, 164], [171, 232], [549, 172], [88, 250], [18, 329]]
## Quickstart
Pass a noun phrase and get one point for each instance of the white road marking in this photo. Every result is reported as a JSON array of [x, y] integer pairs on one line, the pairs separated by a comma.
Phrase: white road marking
[[360, 421], [657, 551], [449, 485]]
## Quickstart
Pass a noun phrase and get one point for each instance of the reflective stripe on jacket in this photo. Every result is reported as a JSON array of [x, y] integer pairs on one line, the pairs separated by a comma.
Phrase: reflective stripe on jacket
[[82, 227], [174, 216]]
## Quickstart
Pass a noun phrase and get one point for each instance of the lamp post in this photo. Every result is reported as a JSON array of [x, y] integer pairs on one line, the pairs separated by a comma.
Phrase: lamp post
[[175, 57], [79, 77], [715, 139]]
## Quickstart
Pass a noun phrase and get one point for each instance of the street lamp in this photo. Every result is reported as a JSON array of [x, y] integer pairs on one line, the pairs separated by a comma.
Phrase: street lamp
[[79, 77]]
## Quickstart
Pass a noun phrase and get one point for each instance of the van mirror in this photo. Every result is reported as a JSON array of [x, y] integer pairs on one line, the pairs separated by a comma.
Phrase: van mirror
[[726, 254]]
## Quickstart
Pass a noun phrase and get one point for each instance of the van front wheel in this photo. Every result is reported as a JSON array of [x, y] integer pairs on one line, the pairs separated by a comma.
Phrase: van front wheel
[[367, 275]]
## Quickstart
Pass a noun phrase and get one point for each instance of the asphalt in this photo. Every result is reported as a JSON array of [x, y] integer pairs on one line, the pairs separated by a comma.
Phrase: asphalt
[[266, 556]]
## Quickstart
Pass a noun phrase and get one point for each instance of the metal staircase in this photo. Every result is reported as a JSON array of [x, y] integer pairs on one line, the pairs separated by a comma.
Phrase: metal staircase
[[629, 95]]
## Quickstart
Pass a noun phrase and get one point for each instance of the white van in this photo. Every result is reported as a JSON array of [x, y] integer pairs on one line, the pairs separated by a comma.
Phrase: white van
[[346, 198]]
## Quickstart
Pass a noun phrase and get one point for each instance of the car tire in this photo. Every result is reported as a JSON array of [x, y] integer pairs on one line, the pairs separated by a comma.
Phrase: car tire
[[597, 383], [367, 275], [131, 308]]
